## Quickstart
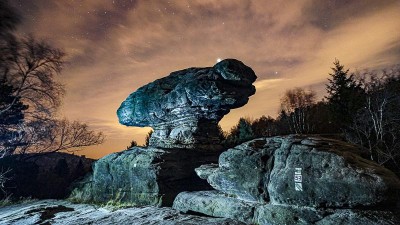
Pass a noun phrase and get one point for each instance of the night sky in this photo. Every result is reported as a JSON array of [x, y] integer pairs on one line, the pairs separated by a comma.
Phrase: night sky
[[115, 47]]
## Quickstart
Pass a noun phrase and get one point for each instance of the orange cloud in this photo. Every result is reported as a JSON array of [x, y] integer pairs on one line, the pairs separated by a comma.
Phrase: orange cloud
[[114, 48]]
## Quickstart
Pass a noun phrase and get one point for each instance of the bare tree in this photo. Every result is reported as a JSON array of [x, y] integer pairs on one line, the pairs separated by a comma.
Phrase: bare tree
[[377, 124], [3, 179], [264, 127], [58, 135], [31, 68], [296, 105]]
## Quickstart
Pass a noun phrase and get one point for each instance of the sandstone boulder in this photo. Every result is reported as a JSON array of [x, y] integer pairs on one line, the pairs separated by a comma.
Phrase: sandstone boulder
[[184, 108], [217, 204], [332, 175], [329, 173], [142, 176], [243, 171], [296, 180]]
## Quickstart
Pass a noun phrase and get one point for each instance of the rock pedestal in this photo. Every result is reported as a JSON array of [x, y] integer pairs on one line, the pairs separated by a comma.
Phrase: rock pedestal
[[185, 107], [295, 180], [188, 133]]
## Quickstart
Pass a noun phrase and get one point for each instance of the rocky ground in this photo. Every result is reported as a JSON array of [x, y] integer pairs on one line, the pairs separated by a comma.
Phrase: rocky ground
[[63, 212]]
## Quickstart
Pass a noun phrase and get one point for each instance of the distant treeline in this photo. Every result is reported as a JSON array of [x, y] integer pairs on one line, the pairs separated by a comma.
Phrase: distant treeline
[[362, 108]]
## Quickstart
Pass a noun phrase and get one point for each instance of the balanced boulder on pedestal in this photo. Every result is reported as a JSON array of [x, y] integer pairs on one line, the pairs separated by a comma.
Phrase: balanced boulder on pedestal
[[184, 109]]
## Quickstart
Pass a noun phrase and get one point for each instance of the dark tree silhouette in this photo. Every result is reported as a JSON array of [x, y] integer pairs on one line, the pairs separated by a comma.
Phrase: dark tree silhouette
[[264, 127], [296, 105], [10, 134], [147, 139], [58, 135], [132, 144], [376, 126], [322, 120], [27, 73], [240, 133], [344, 95], [31, 70]]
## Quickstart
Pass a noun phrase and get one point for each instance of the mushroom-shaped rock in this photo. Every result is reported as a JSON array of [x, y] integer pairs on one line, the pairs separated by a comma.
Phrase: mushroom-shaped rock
[[185, 107]]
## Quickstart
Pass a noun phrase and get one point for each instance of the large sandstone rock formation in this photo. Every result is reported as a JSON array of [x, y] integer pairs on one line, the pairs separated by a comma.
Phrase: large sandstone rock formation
[[185, 107], [295, 180]]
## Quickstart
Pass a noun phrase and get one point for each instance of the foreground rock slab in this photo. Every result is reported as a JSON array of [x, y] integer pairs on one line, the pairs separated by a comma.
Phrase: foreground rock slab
[[296, 180], [64, 212], [143, 176], [184, 108], [302, 171], [214, 203]]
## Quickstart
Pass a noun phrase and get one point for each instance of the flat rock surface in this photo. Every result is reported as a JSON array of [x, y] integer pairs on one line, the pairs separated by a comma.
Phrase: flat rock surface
[[217, 204], [64, 212]]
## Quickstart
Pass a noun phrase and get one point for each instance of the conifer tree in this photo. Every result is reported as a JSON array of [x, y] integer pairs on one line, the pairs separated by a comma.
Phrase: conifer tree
[[245, 130], [10, 119], [344, 95]]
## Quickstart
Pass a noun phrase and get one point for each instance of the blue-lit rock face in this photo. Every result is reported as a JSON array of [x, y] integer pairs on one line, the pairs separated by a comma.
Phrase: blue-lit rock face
[[296, 180], [185, 107], [142, 176]]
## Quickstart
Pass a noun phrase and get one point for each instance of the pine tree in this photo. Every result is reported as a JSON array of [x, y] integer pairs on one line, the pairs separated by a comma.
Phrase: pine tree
[[240, 133], [132, 144], [11, 116], [343, 95], [245, 130]]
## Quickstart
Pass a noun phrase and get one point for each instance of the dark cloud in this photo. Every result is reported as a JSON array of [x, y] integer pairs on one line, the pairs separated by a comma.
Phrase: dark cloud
[[125, 5], [327, 15]]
